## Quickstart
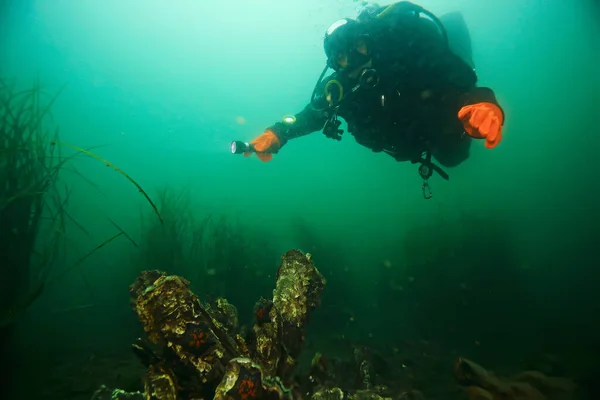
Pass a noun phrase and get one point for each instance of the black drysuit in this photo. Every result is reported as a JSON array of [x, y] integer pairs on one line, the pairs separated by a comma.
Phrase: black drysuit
[[413, 108]]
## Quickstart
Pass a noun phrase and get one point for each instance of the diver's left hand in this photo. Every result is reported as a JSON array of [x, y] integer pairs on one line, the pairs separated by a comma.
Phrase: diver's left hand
[[483, 121]]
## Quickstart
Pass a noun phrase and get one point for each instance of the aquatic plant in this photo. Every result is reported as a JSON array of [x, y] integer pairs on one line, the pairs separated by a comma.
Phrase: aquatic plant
[[29, 196], [33, 206], [217, 253], [238, 260], [165, 244], [113, 166]]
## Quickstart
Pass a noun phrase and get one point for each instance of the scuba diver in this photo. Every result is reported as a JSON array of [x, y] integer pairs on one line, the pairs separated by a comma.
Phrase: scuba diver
[[404, 82]]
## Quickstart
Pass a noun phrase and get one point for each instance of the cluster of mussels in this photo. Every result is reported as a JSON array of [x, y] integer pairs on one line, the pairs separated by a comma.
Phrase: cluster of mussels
[[195, 351]]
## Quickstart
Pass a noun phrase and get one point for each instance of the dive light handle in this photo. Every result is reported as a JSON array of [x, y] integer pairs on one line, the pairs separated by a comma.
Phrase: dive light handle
[[239, 147]]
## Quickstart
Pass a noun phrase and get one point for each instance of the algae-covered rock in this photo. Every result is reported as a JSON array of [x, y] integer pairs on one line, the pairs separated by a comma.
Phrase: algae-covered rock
[[328, 394], [106, 393], [160, 384], [279, 338], [244, 380], [479, 384], [194, 342]]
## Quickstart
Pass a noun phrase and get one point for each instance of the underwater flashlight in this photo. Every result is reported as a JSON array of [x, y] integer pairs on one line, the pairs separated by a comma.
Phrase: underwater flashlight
[[239, 147]]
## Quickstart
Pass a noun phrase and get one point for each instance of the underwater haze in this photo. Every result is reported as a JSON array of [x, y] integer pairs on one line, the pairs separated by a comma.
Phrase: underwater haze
[[159, 89]]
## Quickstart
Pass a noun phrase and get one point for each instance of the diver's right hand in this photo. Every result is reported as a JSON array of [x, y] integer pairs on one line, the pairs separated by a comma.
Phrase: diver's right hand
[[265, 145]]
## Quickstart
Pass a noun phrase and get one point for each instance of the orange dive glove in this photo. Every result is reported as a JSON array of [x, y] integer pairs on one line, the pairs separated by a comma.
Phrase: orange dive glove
[[483, 121], [265, 145]]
